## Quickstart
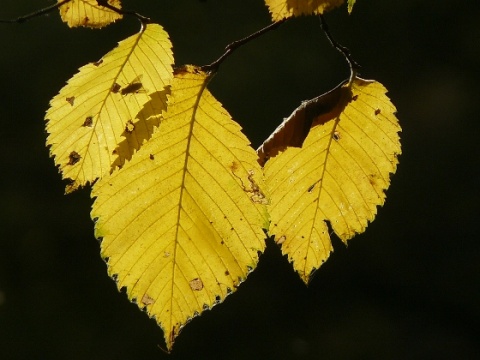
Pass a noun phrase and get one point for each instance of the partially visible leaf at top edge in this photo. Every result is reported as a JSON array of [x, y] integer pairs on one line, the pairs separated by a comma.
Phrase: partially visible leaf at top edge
[[88, 13], [338, 176], [281, 9], [350, 5], [182, 222], [110, 107]]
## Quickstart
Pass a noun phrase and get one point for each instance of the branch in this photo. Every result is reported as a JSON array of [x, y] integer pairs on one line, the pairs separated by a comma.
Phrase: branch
[[230, 48], [41, 12]]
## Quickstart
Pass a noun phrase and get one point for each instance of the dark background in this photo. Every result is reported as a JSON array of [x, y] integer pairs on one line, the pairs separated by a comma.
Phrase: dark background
[[408, 288]]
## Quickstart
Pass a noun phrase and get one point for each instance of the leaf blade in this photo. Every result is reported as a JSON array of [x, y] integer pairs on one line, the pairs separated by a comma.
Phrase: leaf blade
[[90, 117], [88, 13], [339, 177], [182, 222]]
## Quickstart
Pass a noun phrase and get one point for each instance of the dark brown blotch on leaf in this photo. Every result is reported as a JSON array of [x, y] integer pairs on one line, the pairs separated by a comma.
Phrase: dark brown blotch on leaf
[[73, 158], [88, 121], [115, 88], [70, 100]]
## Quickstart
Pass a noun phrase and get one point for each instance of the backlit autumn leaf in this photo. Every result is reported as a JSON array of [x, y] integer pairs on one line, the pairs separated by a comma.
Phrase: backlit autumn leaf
[[336, 177], [182, 222]]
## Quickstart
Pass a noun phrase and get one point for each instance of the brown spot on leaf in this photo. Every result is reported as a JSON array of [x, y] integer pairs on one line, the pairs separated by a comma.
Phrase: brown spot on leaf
[[377, 111], [73, 158], [71, 100], [280, 240], [152, 157], [354, 97], [196, 284], [147, 300], [336, 135], [88, 122], [115, 88], [234, 167], [257, 196]]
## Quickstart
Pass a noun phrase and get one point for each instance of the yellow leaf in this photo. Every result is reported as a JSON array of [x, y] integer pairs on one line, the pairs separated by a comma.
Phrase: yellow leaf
[[350, 5], [281, 9], [87, 13], [182, 221], [110, 107], [338, 176]]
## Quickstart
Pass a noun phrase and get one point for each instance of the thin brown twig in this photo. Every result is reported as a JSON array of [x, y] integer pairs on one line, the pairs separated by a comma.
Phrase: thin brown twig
[[354, 66], [230, 48], [22, 19]]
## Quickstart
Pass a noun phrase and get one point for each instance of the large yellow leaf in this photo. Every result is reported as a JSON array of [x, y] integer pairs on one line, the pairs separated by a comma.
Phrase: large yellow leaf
[[110, 107], [337, 176], [182, 221], [281, 9], [87, 13]]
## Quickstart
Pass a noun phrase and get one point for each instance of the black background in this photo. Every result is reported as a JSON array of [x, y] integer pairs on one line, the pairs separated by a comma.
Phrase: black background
[[408, 288]]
